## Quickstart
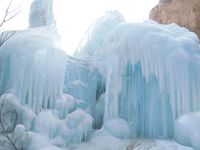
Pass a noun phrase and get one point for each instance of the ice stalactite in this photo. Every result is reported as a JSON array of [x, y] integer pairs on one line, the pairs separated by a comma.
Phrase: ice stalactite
[[34, 73]]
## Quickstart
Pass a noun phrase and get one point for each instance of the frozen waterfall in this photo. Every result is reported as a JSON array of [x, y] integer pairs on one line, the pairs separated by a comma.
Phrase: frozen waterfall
[[152, 74], [125, 83]]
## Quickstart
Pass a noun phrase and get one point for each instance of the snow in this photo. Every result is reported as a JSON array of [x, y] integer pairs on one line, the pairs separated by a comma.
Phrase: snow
[[104, 141]]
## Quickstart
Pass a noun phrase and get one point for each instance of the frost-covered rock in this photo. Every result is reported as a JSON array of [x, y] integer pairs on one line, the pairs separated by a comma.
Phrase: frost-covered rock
[[187, 130], [41, 13]]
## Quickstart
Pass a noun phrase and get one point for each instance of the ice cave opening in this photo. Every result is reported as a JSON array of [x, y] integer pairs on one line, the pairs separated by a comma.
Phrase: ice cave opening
[[128, 85]]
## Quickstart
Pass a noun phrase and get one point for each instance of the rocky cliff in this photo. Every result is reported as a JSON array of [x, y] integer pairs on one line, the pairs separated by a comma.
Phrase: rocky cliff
[[185, 13]]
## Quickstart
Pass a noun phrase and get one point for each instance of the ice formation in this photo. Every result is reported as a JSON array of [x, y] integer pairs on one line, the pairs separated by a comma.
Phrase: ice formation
[[152, 75], [97, 33], [41, 13], [127, 80], [32, 67]]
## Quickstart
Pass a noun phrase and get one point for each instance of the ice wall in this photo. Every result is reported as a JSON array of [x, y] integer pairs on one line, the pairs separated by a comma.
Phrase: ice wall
[[152, 76], [84, 81], [32, 67], [41, 13]]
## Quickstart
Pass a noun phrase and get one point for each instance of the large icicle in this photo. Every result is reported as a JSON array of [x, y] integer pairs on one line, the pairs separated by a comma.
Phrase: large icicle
[[32, 67]]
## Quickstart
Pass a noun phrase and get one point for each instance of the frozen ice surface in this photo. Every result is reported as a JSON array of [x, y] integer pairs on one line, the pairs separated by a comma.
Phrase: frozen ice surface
[[187, 130]]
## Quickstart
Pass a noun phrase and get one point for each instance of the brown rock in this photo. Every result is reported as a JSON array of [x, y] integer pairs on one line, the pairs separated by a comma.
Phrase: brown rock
[[185, 13]]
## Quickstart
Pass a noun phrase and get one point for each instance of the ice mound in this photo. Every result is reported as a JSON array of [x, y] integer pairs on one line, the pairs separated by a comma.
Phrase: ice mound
[[80, 124], [65, 105], [12, 113], [187, 130], [117, 127]]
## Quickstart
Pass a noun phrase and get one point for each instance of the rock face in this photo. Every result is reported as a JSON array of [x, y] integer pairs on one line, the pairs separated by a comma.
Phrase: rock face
[[185, 13]]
